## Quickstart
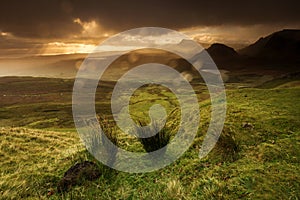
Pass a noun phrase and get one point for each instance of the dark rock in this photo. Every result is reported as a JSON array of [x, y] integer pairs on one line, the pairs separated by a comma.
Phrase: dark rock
[[77, 174]]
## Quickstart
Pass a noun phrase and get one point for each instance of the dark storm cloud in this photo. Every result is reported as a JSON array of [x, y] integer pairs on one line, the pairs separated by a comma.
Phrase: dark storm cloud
[[36, 19], [55, 19]]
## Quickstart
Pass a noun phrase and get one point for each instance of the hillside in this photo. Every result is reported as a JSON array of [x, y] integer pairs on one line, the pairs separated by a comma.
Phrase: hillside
[[52, 66], [275, 54], [256, 157], [281, 45]]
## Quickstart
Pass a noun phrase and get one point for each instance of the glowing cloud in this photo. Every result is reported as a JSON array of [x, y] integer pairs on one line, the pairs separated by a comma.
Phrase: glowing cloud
[[91, 28], [55, 48]]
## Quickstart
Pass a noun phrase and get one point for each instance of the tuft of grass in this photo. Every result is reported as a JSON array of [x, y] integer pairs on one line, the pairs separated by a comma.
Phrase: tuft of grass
[[110, 132], [174, 189], [109, 129], [227, 148], [152, 143]]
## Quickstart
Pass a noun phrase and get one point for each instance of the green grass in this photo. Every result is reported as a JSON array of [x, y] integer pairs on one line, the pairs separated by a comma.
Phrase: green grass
[[33, 160], [261, 162]]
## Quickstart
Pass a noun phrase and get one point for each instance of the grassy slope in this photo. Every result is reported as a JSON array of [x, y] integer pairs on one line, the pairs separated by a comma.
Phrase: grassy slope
[[263, 166]]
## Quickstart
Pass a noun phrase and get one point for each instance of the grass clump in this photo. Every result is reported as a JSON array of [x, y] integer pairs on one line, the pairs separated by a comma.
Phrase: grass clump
[[108, 130], [227, 148], [152, 143]]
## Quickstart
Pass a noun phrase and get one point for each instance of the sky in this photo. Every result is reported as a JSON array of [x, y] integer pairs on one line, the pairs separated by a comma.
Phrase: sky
[[46, 27]]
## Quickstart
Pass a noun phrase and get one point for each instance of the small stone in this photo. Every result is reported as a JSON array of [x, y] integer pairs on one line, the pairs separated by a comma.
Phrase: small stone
[[247, 125], [50, 192]]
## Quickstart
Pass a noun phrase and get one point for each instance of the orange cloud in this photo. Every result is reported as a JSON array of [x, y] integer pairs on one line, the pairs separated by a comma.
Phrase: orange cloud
[[91, 29]]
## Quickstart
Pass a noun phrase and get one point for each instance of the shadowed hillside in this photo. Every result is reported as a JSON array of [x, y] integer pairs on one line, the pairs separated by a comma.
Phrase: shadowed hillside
[[279, 46]]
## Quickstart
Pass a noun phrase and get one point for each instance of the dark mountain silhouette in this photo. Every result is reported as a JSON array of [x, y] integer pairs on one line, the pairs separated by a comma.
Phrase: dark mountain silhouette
[[279, 51], [224, 56], [221, 51], [281, 45]]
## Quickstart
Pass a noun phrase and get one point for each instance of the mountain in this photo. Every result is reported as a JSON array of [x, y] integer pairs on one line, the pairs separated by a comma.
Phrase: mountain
[[281, 45], [221, 51], [224, 56], [279, 51]]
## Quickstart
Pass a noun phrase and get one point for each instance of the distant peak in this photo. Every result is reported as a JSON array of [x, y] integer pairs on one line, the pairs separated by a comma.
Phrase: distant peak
[[221, 50], [221, 47], [219, 44]]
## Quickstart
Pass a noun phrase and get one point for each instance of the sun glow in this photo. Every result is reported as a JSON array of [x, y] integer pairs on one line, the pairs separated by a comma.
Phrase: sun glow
[[55, 48], [5, 34]]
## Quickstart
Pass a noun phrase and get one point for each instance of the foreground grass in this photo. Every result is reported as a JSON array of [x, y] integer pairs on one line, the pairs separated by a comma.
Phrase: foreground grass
[[32, 160], [260, 161]]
